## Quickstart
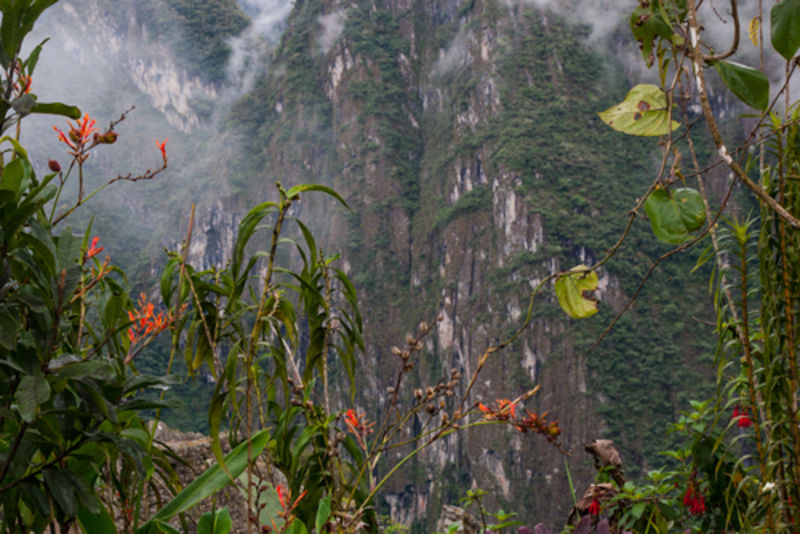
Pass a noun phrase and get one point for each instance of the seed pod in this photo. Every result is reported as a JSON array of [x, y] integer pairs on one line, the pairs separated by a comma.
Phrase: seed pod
[[418, 394], [396, 351]]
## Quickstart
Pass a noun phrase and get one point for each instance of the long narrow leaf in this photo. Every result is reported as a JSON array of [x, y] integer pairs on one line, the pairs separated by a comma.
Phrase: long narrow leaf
[[210, 482]]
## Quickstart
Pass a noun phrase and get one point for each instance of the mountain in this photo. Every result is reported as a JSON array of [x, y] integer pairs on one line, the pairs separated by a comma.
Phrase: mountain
[[464, 137]]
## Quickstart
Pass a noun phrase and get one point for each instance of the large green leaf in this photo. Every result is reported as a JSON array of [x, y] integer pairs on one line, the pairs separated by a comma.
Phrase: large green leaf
[[570, 290], [210, 482], [60, 487], [785, 20], [57, 108], [643, 112], [32, 392], [749, 84], [215, 522], [675, 215], [99, 522]]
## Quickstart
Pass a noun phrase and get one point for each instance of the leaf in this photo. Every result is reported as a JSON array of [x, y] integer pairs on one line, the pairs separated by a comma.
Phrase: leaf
[[246, 229], [32, 392], [646, 25], [323, 513], [570, 290], [215, 522], [57, 108], [211, 481], [60, 487], [585, 526], [99, 522], [643, 112], [785, 20], [296, 190], [297, 527], [749, 84], [8, 329], [674, 216], [23, 104]]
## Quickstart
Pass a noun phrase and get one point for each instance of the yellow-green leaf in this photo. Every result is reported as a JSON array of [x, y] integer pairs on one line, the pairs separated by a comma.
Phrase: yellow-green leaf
[[643, 112], [571, 289]]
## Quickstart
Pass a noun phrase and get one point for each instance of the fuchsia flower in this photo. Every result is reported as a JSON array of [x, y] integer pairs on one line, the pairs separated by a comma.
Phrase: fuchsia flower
[[694, 499], [594, 508], [742, 417]]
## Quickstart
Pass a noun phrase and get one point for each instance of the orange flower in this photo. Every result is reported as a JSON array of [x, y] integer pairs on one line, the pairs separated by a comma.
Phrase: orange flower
[[145, 322], [79, 133], [25, 83], [162, 146], [505, 410]]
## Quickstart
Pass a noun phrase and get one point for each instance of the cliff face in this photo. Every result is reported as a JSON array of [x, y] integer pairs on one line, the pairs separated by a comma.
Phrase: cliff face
[[463, 135]]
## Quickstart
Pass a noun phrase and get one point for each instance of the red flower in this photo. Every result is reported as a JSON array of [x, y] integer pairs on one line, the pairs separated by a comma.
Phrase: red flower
[[283, 500], [742, 417], [594, 508], [694, 499], [162, 146], [93, 249]]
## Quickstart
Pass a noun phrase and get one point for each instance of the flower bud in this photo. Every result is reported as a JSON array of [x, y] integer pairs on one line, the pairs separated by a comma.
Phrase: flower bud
[[53, 165], [108, 138]]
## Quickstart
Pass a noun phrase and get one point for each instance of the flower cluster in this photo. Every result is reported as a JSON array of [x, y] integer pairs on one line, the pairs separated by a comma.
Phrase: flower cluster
[[145, 322], [694, 499], [78, 136], [506, 411], [742, 417], [284, 497], [358, 426]]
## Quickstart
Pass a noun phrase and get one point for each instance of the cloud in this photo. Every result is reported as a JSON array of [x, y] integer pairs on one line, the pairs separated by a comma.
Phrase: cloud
[[332, 26], [249, 50]]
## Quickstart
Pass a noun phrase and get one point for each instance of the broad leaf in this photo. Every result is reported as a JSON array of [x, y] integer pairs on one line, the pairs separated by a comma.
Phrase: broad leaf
[[32, 392], [99, 522], [215, 522], [570, 290], [210, 482], [785, 35], [673, 216], [749, 84], [646, 25], [643, 112], [57, 108]]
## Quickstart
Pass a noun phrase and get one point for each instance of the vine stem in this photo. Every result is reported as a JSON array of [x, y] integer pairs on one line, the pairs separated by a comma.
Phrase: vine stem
[[713, 128]]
